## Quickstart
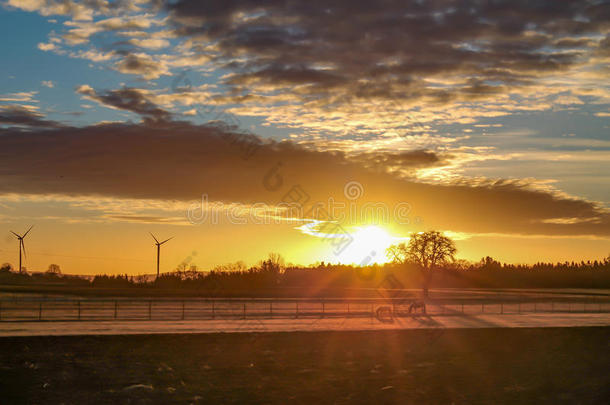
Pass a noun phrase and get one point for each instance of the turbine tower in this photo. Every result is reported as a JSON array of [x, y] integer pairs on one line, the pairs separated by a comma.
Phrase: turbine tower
[[21, 244], [159, 249]]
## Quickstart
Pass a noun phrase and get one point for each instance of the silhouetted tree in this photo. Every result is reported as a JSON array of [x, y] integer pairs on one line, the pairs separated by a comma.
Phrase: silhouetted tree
[[54, 270], [427, 250], [272, 268], [274, 263], [399, 253]]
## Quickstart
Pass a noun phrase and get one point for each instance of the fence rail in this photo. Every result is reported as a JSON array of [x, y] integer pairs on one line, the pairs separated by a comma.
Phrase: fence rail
[[209, 309]]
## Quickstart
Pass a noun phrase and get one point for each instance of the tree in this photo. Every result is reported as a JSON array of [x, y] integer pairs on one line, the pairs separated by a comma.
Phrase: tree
[[54, 270], [427, 250], [272, 268], [398, 253], [6, 267], [273, 264], [490, 263]]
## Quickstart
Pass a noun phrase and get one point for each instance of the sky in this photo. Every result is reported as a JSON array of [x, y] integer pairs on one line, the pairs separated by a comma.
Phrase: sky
[[321, 130]]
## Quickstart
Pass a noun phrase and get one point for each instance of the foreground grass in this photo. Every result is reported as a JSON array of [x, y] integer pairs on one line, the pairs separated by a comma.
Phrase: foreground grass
[[563, 365]]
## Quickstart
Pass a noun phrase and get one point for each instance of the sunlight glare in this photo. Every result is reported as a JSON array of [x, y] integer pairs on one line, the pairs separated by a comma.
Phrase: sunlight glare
[[368, 247]]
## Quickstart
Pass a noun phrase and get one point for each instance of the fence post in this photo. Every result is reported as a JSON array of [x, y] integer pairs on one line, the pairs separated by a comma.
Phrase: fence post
[[149, 310], [40, 311], [183, 310], [78, 309]]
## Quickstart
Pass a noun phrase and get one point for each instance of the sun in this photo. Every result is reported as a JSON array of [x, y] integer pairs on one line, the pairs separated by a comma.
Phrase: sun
[[368, 246]]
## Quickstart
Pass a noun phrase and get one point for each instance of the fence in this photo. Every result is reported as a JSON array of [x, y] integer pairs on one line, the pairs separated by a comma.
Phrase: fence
[[209, 309]]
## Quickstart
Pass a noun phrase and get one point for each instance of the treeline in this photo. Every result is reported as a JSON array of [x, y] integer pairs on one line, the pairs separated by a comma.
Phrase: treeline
[[271, 278]]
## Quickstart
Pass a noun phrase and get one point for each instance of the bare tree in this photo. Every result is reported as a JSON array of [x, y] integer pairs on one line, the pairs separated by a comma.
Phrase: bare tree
[[274, 263], [276, 259], [427, 250], [398, 253], [54, 270], [273, 266]]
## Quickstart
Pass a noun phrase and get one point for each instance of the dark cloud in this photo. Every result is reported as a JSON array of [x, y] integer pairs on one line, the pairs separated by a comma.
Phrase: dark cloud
[[129, 99], [574, 43], [139, 64], [401, 162], [18, 115], [180, 161], [387, 49], [604, 46]]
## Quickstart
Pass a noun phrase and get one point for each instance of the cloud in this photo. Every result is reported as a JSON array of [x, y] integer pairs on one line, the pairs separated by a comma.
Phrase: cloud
[[355, 67], [141, 64], [81, 31], [21, 97], [402, 163], [365, 50], [80, 11], [128, 99], [148, 219], [23, 116], [150, 43], [48, 83], [94, 55], [47, 47], [335, 66], [180, 161]]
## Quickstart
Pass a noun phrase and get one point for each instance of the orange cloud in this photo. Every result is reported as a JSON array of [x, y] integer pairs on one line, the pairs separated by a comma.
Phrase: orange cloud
[[179, 161]]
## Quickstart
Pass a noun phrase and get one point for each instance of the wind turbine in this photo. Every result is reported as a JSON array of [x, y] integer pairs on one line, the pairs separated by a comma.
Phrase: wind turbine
[[158, 249], [21, 244]]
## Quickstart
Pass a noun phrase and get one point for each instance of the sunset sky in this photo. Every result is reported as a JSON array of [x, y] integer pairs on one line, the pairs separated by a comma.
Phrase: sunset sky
[[229, 124]]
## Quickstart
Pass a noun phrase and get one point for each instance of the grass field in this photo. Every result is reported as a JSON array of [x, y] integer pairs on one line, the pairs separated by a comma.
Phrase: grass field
[[547, 365]]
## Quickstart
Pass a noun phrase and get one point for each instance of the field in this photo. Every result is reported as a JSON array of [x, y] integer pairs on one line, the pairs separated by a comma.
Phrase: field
[[545, 365]]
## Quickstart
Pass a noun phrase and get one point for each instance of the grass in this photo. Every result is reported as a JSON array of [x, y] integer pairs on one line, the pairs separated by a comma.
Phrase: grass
[[553, 365]]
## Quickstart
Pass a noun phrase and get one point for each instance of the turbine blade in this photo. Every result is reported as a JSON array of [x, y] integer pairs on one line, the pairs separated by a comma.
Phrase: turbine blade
[[16, 234], [25, 234], [23, 247], [153, 237], [166, 240]]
